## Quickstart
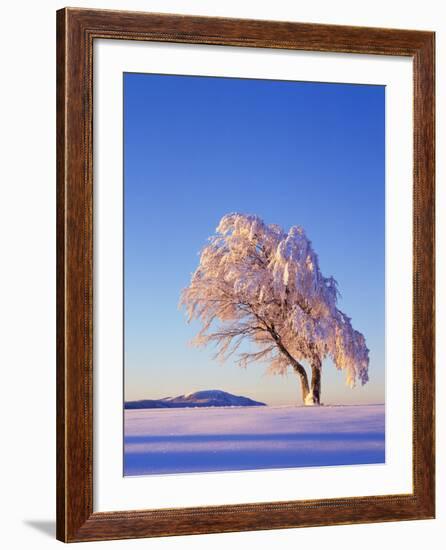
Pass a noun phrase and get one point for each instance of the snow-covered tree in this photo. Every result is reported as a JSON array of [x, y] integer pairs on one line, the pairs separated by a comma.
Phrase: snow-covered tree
[[257, 283]]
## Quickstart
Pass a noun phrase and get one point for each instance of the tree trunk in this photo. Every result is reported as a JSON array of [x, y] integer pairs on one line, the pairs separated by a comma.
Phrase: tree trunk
[[303, 380], [314, 397], [294, 363]]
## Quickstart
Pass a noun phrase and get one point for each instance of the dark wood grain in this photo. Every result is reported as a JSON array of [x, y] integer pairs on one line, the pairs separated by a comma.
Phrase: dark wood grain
[[76, 31]]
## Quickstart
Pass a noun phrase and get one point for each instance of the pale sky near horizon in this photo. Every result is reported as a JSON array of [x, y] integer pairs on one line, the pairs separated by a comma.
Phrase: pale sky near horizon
[[294, 153]]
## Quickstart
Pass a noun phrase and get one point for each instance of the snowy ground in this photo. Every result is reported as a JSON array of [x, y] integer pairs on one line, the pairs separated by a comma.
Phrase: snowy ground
[[163, 441]]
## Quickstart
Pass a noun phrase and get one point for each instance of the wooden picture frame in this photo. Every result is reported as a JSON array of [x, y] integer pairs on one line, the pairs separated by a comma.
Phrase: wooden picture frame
[[76, 31]]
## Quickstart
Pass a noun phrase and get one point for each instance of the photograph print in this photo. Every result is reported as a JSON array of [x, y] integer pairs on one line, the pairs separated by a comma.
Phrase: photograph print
[[254, 274]]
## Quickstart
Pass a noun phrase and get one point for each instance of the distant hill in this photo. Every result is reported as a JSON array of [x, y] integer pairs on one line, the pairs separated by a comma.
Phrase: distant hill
[[205, 398]]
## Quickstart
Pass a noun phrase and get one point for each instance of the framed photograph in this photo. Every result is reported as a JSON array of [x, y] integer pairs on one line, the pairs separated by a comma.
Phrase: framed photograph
[[245, 275]]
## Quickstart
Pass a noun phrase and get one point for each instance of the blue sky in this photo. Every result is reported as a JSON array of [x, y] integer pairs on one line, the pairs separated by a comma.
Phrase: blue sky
[[294, 153]]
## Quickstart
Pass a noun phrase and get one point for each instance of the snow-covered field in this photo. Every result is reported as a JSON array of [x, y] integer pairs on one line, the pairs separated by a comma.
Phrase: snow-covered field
[[164, 441]]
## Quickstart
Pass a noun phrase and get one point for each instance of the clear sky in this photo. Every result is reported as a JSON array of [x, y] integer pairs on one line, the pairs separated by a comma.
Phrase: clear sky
[[293, 153]]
